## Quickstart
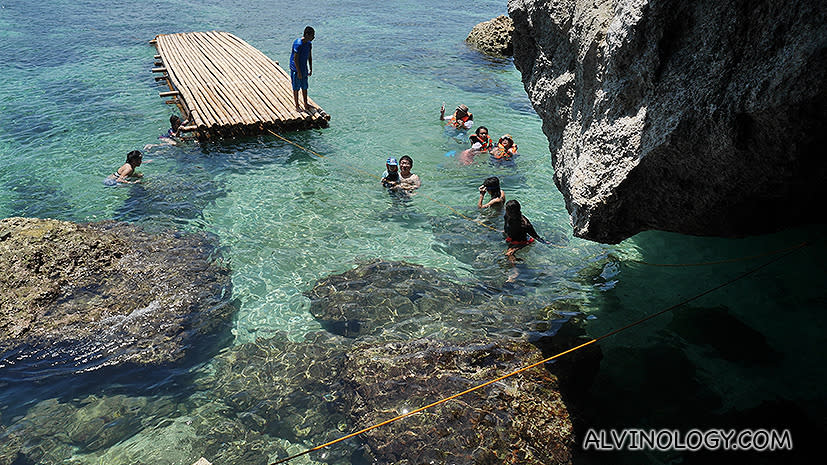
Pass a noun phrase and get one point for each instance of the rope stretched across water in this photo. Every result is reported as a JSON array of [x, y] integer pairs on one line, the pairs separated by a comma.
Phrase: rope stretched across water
[[546, 360]]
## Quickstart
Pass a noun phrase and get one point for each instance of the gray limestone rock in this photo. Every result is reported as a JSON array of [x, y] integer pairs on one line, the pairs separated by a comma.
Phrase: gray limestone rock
[[698, 117]]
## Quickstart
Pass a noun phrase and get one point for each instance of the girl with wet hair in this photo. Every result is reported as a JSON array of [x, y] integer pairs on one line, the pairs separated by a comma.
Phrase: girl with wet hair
[[518, 230], [492, 186], [127, 170]]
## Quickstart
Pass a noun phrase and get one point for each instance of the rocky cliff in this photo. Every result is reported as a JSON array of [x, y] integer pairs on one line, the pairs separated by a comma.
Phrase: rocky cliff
[[699, 117]]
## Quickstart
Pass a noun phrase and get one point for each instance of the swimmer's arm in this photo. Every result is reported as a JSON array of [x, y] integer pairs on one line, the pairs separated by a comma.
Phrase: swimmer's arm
[[500, 200], [531, 232]]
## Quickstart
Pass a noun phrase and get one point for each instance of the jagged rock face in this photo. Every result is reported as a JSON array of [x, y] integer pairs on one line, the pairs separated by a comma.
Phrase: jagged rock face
[[75, 297], [696, 117], [493, 37]]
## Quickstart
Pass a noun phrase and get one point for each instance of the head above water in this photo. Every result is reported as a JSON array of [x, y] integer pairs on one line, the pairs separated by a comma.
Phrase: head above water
[[174, 122], [309, 33], [492, 184], [512, 209], [462, 110], [506, 140], [481, 131], [134, 158]]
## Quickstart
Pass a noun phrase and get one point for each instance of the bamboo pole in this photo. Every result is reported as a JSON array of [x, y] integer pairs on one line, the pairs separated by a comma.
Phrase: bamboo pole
[[194, 63], [277, 87], [189, 67], [180, 77], [177, 79], [255, 80], [228, 77]]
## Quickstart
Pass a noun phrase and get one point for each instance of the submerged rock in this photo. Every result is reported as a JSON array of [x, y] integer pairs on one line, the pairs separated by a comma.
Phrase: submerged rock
[[697, 117], [79, 296], [521, 419], [493, 37], [397, 300], [322, 389]]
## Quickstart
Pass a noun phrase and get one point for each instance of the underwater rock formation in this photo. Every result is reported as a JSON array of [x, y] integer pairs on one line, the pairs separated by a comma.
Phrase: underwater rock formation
[[493, 37], [390, 300], [321, 389], [698, 117], [52, 431], [87, 295], [257, 401], [521, 419]]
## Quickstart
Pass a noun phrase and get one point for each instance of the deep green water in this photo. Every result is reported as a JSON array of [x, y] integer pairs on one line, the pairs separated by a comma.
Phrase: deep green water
[[76, 95]]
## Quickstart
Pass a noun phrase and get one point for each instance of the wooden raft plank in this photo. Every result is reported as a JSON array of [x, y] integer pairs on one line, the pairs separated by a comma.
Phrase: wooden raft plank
[[226, 85]]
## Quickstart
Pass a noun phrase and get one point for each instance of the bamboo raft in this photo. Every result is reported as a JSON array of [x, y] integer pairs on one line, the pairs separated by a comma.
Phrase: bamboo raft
[[226, 87]]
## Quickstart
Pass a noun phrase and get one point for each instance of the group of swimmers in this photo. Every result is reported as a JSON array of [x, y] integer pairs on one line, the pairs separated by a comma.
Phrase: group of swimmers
[[518, 229], [398, 176]]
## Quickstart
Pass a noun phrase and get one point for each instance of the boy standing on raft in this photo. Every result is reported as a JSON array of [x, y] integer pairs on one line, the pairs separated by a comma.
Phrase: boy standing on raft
[[300, 57]]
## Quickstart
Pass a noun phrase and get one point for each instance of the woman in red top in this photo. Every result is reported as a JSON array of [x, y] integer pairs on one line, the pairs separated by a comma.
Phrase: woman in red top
[[518, 230]]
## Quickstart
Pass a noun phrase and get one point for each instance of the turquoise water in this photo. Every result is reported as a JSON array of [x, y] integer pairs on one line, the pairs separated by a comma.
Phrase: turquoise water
[[77, 95]]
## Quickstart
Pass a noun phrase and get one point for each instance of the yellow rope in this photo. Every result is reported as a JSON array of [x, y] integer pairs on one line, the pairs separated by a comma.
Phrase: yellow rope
[[545, 360]]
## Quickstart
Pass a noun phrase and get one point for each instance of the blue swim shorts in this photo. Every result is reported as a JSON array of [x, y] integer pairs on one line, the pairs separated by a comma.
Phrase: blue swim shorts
[[298, 83]]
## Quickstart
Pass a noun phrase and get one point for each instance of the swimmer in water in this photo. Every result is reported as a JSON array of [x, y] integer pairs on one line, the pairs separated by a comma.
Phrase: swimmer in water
[[492, 186], [127, 170]]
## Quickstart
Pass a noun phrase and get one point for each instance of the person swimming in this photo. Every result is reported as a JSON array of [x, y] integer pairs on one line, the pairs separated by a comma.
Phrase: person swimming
[[505, 149], [462, 119], [480, 140], [127, 170]]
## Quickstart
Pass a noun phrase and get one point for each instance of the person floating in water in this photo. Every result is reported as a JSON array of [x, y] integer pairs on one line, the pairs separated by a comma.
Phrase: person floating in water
[[407, 180], [301, 65], [518, 230], [127, 170], [173, 134], [480, 142], [492, 186], [505, 150], [462, 119], [390, 177]]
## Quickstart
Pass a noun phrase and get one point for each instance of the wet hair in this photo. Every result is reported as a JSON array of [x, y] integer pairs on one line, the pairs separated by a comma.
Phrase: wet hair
[[492, 185], [309, 30], [405, 157], [513, 217], [477, 132], [134, 158], [174, 122]]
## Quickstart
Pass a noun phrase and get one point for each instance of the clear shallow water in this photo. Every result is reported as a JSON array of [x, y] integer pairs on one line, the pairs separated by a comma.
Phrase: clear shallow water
[[77, 95]]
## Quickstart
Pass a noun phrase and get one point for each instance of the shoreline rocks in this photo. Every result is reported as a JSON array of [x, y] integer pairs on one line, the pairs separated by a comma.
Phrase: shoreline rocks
[[76, 297], [493, 37], [700, 118]]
